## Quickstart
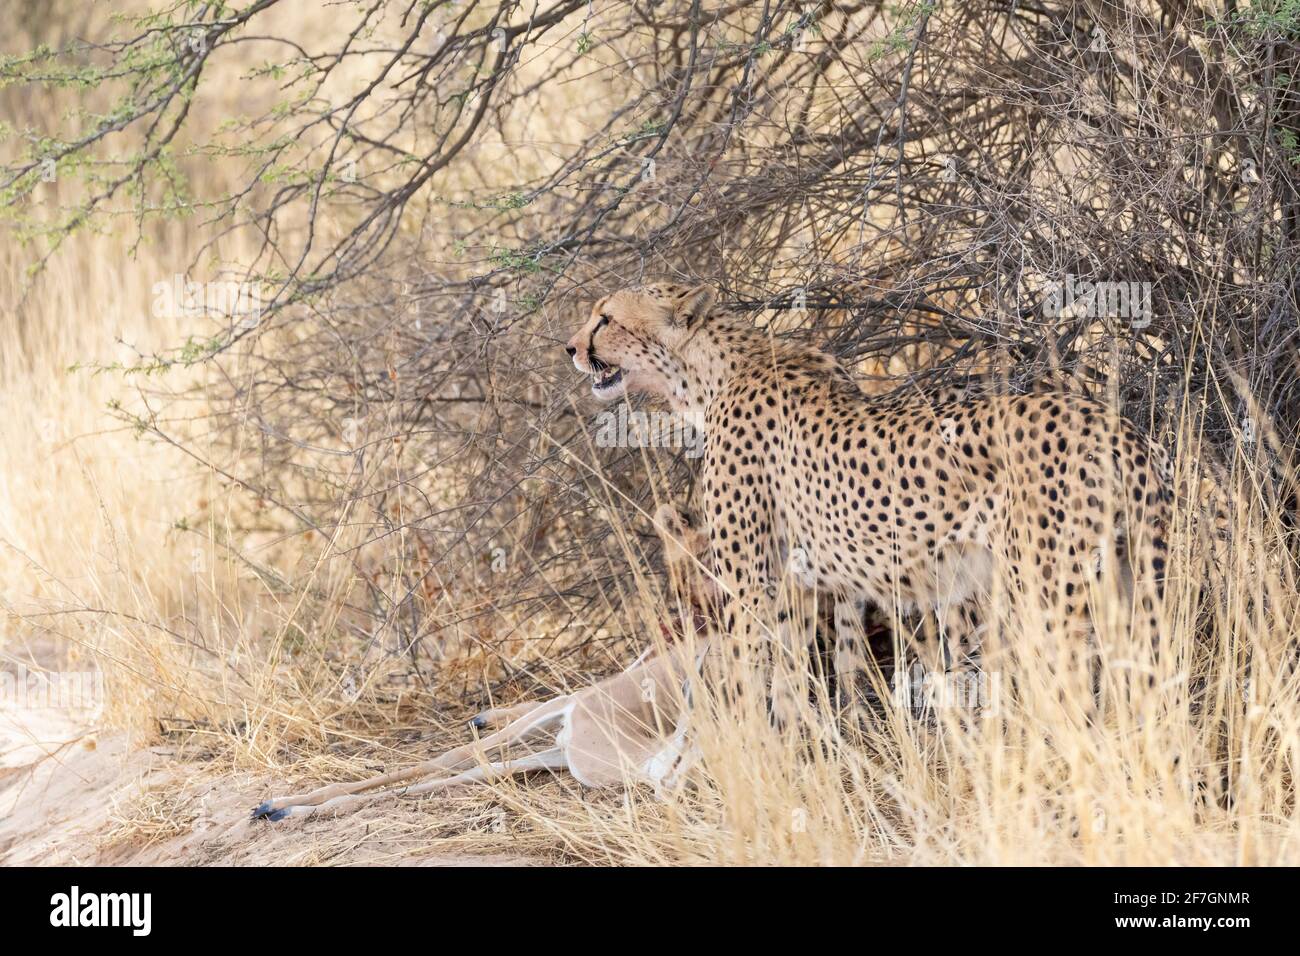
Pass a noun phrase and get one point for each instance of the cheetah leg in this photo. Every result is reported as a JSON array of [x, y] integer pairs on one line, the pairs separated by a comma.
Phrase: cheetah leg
[[970, 689], [961, 632], [850, 651], [767, 647], [796, 630], [742, 544], [770, 630], [1146, 557], [1124, 639], [945, 674]]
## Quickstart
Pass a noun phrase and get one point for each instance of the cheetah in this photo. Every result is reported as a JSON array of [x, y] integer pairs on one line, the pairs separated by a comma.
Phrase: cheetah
[[808, 483]]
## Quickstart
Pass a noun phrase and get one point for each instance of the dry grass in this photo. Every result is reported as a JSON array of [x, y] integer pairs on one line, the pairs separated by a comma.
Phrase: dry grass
[[129, 556], [1162, 779], [1194, 766]]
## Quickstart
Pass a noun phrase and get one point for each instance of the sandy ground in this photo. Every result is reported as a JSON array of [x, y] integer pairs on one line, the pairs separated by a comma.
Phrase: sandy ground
[[69, 796]]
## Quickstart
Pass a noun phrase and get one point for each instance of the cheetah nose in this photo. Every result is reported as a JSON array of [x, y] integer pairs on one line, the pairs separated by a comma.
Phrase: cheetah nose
[[571, 350]]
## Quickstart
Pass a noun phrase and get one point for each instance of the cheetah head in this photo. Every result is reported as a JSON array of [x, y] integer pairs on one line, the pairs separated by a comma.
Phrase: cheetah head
[[633, 340]]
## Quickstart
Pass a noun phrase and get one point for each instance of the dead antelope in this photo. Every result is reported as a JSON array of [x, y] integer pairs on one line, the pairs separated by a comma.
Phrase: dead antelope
[[631, 728]]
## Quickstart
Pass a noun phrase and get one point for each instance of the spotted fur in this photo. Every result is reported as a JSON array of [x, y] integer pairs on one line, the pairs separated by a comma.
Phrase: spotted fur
[[906, 501]]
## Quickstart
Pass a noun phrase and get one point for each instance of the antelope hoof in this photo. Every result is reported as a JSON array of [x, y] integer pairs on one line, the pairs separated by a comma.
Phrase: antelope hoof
[[264, 811]]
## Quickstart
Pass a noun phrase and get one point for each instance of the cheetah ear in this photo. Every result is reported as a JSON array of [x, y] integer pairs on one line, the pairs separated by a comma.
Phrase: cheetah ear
[[690, 305]]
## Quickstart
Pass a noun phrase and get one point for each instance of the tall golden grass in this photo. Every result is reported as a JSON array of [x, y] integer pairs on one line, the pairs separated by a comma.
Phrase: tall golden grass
[[1198, 769], [1184, 754], [124, 553]]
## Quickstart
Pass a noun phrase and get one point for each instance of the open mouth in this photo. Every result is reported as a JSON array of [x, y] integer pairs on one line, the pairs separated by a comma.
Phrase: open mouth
[[606, 379]]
